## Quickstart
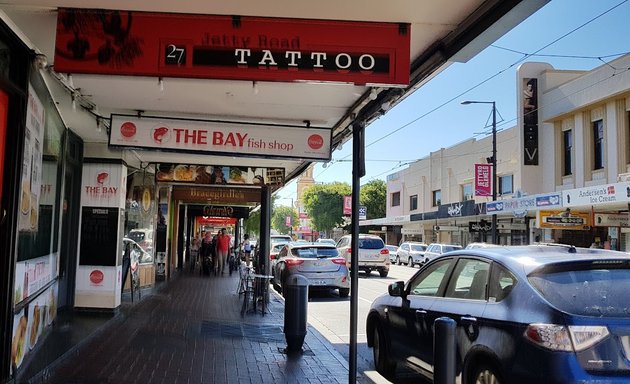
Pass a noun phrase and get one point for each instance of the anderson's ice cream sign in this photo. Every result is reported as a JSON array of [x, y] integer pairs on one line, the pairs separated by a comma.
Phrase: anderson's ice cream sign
[[596, 195]]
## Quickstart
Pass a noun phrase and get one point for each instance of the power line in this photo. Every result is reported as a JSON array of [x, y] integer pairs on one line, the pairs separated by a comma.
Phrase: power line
[[458, 96]]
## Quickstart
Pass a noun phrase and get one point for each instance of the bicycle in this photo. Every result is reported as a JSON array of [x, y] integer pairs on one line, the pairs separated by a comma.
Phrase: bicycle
[[233, 263], [246, 287]]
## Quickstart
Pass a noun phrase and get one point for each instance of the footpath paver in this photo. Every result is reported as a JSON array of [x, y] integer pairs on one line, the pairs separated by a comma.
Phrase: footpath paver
[[192, 331]]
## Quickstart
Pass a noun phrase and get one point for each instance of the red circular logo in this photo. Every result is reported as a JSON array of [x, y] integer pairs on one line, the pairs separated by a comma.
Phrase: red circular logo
[[96, 277], [315, 141], [128, 129]]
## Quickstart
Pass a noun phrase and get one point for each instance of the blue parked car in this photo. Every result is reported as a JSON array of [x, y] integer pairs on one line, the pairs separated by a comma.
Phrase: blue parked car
[[524, 314]]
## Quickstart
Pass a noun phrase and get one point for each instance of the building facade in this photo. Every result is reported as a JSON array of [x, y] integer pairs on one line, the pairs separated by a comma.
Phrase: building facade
[[563, 172]]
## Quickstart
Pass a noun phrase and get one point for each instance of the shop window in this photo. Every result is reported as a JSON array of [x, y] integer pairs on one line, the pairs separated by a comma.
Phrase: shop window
[[467, 192], [506, 185], [567, 148], [413, 202], [437, 198], [598, 144], [395, 199]]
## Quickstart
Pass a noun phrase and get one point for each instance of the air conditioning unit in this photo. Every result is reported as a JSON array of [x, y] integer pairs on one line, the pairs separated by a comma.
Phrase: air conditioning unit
[[623, 177]]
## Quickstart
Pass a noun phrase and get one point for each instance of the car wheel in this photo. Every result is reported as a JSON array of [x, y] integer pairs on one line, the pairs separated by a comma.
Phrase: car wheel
[[486, 374], [344, 292], [382, 361], [410, 262], [383, 272], [367, 272], [398, 260]]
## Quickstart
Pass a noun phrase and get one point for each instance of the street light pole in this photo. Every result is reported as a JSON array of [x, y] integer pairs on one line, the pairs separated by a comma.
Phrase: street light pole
[[494, 162], [494, 170]]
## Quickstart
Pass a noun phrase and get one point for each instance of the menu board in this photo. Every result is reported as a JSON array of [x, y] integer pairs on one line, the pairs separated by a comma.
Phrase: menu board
[[99, 236], [219, 174]]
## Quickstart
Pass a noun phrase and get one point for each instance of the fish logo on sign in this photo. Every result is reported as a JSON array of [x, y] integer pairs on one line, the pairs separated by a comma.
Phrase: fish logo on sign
[[161, 135], [102, 177]]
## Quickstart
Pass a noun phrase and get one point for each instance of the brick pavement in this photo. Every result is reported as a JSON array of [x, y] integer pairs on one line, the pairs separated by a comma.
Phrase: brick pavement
[[191, 331]]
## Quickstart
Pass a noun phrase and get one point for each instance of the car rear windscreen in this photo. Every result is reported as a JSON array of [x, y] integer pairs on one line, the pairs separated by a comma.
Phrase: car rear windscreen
[[314, 252], [588, 289], [371, 243]]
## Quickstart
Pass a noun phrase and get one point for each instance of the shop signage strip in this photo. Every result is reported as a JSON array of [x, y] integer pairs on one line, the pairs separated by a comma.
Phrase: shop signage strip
[[217, 195], [597, 195], [231, 47], [221, 138], [534, 202], [611, 220], [558, 219]]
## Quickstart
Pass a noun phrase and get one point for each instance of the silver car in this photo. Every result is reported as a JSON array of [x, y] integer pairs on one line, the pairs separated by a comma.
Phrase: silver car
[[411, 253], [393, 254], [436, 249], [320, 263]]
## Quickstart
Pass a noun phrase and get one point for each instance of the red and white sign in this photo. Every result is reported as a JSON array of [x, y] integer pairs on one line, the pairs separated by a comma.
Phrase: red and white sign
[[483, 180], [231, 47], [347, 205], [103, 185], [96, 277], [211, 137]]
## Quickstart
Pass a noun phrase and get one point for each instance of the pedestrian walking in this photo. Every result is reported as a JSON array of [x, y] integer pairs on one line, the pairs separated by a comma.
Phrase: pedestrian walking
[[222, 250], [247, 248]]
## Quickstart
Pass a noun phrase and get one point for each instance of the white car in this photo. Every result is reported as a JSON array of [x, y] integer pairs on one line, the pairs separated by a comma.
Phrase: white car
[[393, 254], [373, 255], [436, 249], [411, 253]]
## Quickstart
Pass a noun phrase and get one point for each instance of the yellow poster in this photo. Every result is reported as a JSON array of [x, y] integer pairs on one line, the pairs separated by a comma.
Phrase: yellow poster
[[573, 220]]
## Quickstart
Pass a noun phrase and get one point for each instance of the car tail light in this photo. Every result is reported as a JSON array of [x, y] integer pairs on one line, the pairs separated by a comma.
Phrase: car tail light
[[586, 336], [560, 338], [339, 260], [384, 251], [293, 262], [349, 251]]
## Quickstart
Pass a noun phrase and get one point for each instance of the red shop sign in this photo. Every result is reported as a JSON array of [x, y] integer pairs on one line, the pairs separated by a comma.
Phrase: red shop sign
[[231, 47]]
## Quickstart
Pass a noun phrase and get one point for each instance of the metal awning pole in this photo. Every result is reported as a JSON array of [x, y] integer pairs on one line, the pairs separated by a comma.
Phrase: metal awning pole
[[358, 170]]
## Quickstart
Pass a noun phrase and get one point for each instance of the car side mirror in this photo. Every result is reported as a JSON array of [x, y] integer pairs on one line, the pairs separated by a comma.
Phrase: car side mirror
[[397, 289]]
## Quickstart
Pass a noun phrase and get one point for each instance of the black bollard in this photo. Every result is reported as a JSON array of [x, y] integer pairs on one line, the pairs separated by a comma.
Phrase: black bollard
[[444, 351], [295, 292]]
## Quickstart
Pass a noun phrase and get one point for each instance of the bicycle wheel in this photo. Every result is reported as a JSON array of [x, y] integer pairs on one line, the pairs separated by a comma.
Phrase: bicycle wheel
[[246, 293]]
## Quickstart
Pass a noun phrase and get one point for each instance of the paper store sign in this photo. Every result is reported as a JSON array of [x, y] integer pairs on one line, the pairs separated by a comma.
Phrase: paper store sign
[[211, 137]]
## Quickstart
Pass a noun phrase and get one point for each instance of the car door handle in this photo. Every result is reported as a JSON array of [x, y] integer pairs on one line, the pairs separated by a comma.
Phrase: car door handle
[[420, 313], [468, 319]]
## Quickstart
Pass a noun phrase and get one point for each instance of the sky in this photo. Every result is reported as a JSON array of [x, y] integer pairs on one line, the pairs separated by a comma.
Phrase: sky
[[568, 34]]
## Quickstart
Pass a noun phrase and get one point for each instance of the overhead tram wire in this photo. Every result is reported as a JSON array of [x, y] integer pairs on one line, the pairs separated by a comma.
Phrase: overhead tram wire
[[457, 97], [505, 122]]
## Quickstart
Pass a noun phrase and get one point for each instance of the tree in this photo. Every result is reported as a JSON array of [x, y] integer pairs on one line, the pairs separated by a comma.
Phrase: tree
[[324, 204], [279, 219], [373, 196], [252, 224]]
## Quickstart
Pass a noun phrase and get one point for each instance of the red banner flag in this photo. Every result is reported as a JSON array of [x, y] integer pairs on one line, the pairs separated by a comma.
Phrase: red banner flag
[[483, 180]]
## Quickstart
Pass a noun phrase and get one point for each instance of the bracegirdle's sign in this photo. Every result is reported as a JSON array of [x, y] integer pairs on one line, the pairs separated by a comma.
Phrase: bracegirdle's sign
[[231, 47]]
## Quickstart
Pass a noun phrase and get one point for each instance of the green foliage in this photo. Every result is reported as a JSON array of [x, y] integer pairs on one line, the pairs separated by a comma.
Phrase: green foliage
[[324, 204], [252, 224], [278, 219], [374, 196]]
